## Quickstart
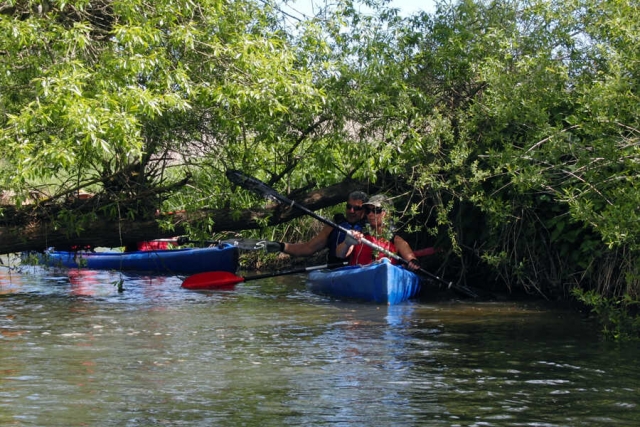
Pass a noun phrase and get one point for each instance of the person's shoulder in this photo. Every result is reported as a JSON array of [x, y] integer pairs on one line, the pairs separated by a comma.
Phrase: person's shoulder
[[399, 237]]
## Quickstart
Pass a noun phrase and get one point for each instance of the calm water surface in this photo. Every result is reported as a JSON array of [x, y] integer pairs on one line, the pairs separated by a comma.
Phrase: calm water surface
[[75, 352]]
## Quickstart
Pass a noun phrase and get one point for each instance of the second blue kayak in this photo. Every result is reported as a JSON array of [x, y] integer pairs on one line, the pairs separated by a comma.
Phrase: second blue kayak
[[172, 261]]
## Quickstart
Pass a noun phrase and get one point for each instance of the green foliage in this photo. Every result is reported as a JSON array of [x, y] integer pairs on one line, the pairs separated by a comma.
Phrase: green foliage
[[119, 284], [619, 317], [533, 119], [92, 92]]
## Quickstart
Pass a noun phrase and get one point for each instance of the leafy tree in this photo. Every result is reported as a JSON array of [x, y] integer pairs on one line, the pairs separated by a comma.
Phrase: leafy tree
[[532, 132], [129, 99]]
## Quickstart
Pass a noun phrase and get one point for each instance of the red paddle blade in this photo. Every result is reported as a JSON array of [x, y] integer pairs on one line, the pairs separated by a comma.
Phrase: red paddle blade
[[425, 252], [212, 280]]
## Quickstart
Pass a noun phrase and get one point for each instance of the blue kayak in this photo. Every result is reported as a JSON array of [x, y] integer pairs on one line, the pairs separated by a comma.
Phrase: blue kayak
[[380, 282], [171, 261]]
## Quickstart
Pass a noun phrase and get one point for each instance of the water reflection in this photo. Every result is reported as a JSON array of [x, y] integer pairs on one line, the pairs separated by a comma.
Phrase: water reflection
[[75, 351], [10, 281]]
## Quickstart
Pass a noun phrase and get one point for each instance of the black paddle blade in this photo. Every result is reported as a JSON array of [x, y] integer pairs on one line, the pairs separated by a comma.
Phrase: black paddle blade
[[247, 244], [254, 184]]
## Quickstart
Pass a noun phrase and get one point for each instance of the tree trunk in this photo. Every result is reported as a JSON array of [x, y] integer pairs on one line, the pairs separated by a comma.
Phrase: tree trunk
[[19, 232]]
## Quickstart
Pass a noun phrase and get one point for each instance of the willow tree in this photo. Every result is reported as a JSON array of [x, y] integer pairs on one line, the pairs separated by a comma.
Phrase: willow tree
[[531, 144], [571, 90], [145, 104], [137, 101]]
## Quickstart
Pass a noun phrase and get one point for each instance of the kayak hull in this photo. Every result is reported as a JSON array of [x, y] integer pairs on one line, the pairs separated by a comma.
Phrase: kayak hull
[[173, 261], [381, 282]]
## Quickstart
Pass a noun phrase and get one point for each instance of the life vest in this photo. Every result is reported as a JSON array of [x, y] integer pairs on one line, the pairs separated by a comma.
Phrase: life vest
[[363, 254], [336, 237]]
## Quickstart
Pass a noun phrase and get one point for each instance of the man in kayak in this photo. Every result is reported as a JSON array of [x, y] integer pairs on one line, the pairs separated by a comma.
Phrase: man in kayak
[[379, 232], [328, 237]]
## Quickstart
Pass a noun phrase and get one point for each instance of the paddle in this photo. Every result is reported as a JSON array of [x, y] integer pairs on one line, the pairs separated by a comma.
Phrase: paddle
[[226, 280], [264, 190], [242, 243], [425, 251]]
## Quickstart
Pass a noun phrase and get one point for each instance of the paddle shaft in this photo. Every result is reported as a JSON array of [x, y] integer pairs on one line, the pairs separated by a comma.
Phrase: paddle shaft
[[182, 240], [255, 244], [240, 242], [294, 271]]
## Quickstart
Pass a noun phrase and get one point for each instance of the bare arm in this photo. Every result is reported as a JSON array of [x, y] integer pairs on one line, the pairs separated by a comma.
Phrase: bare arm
[[314, 245], [405, 251]]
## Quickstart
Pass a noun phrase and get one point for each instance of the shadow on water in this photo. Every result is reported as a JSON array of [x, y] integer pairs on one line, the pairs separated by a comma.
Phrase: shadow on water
[[75, 351]]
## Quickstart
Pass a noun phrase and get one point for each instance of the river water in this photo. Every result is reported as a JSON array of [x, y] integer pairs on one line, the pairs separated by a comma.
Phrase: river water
[[76, 352]]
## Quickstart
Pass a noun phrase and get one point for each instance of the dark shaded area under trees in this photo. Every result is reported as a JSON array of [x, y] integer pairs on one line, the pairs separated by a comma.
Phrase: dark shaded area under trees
[[31, 227]]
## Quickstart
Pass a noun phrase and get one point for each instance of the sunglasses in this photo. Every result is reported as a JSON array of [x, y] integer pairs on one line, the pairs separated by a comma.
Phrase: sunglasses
[[374, 210], [355, 208]]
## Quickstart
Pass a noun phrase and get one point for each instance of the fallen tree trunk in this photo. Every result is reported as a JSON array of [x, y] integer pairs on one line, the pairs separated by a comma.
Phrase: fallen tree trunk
[[21, 231]]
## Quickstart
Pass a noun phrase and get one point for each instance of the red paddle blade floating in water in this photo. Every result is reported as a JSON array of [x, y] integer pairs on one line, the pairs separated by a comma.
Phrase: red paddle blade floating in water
[[212, 280]]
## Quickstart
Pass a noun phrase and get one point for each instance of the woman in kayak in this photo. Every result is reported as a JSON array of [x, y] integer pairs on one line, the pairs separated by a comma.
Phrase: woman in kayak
[[379, 233]]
